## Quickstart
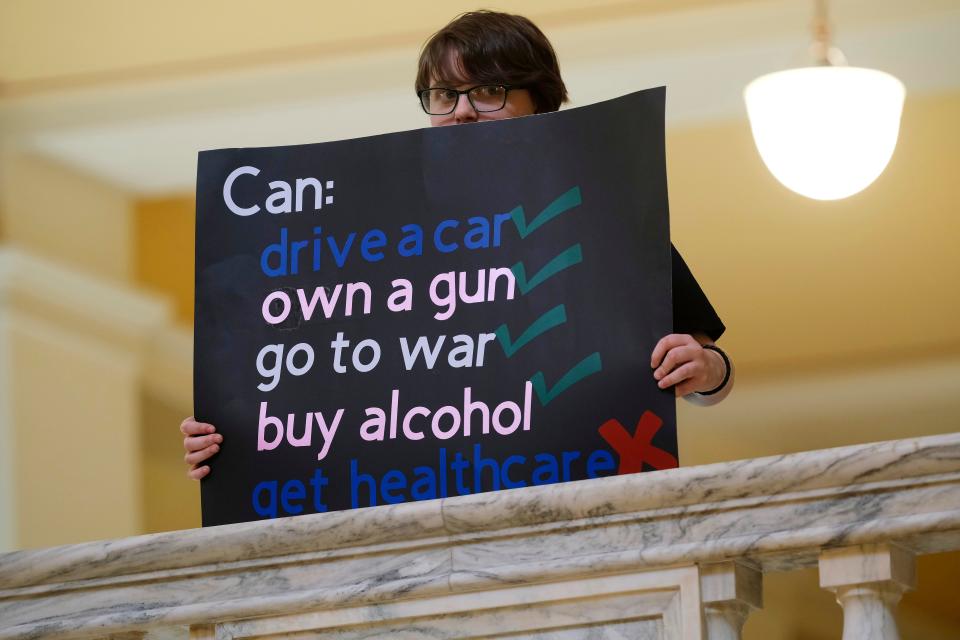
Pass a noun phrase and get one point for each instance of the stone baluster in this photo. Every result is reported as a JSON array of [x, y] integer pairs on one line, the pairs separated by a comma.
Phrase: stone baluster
[[869, 581], [729, 591]]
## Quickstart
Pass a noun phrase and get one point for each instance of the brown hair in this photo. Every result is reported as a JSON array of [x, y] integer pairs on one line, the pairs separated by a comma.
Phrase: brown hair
[[495, 48]]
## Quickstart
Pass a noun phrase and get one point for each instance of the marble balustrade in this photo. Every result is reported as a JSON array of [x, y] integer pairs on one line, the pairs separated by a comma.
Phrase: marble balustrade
[[671, 554]]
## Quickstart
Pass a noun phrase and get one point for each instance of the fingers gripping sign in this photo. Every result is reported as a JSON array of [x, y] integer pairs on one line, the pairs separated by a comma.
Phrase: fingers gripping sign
[[680, 361], [200, 442]]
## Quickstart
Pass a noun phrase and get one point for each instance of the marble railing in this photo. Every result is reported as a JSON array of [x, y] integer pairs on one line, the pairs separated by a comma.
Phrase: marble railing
[[672, 554]]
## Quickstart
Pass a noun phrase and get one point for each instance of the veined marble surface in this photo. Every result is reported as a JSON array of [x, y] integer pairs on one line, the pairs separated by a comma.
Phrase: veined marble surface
[[774, 512]]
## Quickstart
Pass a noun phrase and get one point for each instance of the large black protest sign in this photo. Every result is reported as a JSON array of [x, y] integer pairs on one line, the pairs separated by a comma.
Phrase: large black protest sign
[[434, 313]]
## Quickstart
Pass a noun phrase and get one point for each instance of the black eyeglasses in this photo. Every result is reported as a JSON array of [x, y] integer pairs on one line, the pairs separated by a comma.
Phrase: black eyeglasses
[[439, 101]]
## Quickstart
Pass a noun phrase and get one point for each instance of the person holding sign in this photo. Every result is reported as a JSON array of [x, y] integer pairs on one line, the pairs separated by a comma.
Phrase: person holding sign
[[484, 66]]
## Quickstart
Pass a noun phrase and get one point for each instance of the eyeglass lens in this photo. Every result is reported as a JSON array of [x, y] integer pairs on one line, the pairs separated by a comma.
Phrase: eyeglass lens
[[489, 97]]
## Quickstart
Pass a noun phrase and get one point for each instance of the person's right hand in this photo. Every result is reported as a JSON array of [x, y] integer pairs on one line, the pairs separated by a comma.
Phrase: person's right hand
[[200, 442]]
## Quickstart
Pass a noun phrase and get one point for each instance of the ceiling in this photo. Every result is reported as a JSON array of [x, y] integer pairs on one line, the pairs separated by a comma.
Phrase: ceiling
[[130, 93]]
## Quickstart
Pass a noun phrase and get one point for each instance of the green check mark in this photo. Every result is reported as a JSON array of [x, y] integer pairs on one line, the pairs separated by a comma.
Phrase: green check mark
[[553, 318], [586, 367], [556, 316], [565, 202], [568, 258]]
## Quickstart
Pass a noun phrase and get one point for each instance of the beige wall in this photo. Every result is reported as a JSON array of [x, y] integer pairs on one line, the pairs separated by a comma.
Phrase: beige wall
[[65, 216], [77, 459], [8, 443], [810, 284], [72, 332], [170, 500]]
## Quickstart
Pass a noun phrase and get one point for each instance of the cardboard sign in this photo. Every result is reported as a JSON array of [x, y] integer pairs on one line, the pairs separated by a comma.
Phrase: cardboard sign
[[433, 313]]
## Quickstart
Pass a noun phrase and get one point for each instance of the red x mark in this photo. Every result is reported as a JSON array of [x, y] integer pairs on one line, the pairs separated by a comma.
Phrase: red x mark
[[636, 449]]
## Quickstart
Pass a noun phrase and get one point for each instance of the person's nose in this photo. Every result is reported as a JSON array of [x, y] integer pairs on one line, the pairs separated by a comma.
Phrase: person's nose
[[464, 111]]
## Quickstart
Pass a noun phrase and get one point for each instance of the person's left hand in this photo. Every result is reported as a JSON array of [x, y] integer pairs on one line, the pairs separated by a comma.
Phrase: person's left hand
[[680, 361]]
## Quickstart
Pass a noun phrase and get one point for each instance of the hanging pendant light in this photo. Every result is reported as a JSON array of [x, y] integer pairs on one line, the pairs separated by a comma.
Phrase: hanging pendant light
[[826, 131]]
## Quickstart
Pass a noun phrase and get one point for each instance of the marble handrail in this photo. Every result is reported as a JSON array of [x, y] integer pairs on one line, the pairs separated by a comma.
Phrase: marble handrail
[[770, 513]]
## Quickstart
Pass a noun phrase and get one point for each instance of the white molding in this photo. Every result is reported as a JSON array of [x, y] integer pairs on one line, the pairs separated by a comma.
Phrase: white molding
[[665, 597], [36, 289], [34, 285]]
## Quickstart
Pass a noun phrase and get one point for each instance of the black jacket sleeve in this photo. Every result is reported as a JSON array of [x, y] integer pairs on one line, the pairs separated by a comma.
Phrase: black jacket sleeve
[[692, 312]]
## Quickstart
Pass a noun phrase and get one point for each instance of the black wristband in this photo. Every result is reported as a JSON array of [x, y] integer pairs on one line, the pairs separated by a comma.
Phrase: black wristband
[[726, 375]]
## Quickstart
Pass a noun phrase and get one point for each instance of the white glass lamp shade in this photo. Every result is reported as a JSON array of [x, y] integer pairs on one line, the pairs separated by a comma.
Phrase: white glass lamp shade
[[825, 132]]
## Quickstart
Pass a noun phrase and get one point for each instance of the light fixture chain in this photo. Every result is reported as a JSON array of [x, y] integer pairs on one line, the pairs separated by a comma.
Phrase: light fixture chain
[[821, 34]]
